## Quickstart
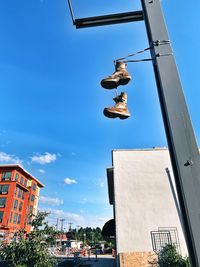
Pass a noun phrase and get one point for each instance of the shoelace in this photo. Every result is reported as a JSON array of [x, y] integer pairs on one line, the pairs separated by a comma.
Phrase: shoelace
[[132, 55], [156, 43]]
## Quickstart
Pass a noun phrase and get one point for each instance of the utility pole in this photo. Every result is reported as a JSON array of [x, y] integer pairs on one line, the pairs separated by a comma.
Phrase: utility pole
[[183, 148], [61, 231], [70, 226], [57, 224]]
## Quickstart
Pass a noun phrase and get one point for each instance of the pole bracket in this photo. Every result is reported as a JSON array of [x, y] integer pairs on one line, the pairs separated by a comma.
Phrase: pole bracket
[[105, 19]]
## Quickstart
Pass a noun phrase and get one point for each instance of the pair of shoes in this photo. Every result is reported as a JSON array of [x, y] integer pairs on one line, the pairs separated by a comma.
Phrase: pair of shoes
[[119, 77], [120, 110]]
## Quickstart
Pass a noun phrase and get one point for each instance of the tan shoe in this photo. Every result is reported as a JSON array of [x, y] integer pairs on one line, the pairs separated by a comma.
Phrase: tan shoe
[[119, 77], [120, 110]]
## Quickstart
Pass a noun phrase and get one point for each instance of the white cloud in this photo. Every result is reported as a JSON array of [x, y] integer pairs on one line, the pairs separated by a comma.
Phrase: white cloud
[[4, 157], [84, 219], [96, 221], [51, 201], [84, 200], [70, 217], [100, 183], [41, 171], [69, 181], [44, 159], [73, 154]]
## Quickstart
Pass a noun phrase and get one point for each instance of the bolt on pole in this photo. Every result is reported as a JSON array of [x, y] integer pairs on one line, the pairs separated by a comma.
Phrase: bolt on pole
[[181, 140]]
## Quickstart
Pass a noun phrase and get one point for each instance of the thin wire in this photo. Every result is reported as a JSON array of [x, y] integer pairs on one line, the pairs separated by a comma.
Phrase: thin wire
[[156, 43], [71, 11]]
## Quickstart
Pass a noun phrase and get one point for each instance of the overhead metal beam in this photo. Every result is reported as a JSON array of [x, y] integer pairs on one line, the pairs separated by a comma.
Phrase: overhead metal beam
[[109, 19]]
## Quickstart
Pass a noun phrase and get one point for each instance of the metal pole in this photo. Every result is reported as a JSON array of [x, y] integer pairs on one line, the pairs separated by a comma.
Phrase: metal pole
[[57, 224], [61, 230], [182, 144]]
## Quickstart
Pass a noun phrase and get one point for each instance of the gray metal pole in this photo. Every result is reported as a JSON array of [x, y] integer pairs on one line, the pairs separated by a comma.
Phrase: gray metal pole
[[182, 144]]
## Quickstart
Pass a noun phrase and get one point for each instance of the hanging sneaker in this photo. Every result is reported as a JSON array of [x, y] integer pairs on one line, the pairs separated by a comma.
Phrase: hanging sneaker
[[119, 77], [120, 110]]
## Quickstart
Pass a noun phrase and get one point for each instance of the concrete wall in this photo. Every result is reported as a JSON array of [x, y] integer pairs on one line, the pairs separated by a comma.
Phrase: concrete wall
[[143, 200]]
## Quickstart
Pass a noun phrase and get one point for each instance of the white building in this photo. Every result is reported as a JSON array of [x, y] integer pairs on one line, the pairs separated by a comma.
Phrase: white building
[[140, 189]]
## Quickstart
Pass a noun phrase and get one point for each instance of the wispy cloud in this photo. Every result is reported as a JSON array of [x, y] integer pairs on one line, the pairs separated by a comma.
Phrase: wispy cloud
[[84, 200], [69, 181], [44, 159], [100, 183], [41, 171], [6, 158], [84, 220], [73, 154], [70, 217], [51, 201]]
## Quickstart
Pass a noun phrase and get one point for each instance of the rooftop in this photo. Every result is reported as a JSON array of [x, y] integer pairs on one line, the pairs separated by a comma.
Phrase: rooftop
[[19, 168]]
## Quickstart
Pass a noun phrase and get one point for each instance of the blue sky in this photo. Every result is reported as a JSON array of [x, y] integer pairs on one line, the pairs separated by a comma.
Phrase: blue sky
[[51, 118]]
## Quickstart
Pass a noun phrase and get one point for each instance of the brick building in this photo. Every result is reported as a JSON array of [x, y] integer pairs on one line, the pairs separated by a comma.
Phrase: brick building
[[19, 192]]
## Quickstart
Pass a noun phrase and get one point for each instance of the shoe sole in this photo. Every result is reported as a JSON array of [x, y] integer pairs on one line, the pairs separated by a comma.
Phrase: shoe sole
[[114, 115], [124, 81], [111, 84]]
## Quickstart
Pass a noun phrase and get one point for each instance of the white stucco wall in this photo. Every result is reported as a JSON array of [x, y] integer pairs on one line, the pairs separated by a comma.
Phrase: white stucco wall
[[143, 199]]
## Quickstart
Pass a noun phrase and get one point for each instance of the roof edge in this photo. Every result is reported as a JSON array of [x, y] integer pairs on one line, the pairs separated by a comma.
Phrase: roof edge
[[19, 167]]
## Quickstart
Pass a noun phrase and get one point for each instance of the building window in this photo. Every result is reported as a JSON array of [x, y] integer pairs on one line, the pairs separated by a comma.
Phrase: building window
[[4, 189], [32, 198], [15, 204], [22, 180], [29, 219], [31, 209], [1, 216], [25, 182], [2, 202], [15, 192], [6, 176], [23, 193], [16, 177], [34, 187], [10, 219], [19, 219], [20, 206], [20, 193], [15, 218]]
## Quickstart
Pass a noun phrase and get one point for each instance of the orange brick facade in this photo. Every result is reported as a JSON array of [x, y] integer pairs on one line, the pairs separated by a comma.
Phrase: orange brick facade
[[19, 192]]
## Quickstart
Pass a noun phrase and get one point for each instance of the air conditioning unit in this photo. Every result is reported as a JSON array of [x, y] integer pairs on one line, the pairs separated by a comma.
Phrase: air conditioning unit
[[4, 193]]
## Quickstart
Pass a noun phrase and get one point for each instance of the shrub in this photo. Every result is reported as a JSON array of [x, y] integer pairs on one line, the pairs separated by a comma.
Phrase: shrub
[[169, 257], [31, 251]]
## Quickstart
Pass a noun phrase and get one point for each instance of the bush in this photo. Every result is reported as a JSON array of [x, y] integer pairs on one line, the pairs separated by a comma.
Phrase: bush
[[31, 251], [169, 257]]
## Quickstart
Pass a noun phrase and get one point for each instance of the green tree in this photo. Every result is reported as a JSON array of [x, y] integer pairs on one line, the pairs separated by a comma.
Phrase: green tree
[[31, 251], [169, 257], [92, 235]]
